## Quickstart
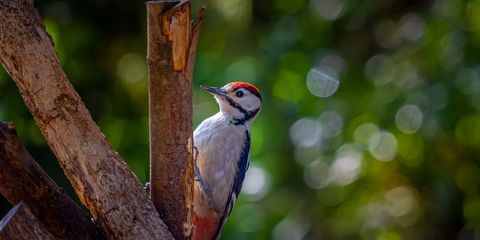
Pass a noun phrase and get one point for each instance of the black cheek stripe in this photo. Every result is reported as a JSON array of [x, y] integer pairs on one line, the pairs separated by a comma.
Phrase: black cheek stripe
[[247, 115]]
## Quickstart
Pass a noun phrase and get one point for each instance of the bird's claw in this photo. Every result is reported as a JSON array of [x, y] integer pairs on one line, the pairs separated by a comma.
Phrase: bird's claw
[[203, 186], [198, 176], [147, 187]]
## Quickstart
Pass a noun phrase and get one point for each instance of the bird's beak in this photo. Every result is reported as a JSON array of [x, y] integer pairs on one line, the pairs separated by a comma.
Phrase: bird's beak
[[214, 91]]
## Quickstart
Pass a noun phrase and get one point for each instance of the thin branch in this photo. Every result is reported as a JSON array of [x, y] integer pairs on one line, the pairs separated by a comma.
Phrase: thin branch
[[98, 174], [22, 179], [20, 223]]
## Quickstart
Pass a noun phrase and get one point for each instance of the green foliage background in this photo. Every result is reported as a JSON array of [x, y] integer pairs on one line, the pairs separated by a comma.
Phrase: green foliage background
[[360, 164]]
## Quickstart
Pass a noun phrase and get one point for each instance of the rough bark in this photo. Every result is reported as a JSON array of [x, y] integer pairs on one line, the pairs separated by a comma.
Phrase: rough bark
[[21, 224], [99, 176], [23, 180], [170, 58]]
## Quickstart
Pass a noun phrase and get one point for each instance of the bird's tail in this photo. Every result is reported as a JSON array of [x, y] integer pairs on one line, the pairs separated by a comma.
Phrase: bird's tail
[[205, 227]]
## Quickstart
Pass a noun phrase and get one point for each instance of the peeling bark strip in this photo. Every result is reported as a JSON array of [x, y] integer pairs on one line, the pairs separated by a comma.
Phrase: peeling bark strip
[[20, 223], [99, 176], [170, 57], [23, 180]]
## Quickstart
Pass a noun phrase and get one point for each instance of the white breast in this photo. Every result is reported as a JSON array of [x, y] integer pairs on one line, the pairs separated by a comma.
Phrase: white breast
[[219, 144]]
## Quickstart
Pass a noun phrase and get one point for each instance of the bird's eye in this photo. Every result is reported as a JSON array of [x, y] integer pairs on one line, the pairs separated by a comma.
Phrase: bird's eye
[[239, 94]]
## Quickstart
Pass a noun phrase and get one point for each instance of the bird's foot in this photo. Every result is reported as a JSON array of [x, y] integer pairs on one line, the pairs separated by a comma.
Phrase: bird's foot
[[147, 187], [198, 176]]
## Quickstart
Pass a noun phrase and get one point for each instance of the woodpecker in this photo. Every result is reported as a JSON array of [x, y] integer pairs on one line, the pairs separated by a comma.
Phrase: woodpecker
[[221, 155]]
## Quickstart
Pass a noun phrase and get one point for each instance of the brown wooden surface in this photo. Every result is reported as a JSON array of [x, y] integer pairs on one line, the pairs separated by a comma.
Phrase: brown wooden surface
[[20, 224], [170, 59], [98, 174], [23, 180]]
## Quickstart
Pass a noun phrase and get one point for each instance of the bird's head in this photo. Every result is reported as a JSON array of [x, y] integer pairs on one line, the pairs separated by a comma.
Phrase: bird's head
[[242, 100]]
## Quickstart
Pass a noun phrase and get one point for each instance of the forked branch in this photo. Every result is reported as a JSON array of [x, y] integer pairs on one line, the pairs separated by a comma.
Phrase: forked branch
[[98, 174]]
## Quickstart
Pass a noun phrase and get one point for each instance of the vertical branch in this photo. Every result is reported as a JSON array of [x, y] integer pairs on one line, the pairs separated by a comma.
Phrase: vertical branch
[[19, 223], [170, 110], [23, 180], [171, 53]]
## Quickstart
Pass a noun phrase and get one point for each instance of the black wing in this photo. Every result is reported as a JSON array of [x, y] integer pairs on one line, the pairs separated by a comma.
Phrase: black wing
[[242, 166]]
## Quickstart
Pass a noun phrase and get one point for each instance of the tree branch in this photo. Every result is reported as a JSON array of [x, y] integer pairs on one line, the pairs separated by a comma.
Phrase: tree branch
[[19, 224], [192, 52], [99, 176], [170, 57], [24, 180]]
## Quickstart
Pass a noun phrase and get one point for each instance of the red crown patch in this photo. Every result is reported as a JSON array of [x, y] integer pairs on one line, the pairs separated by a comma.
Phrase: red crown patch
[[250, 87]]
